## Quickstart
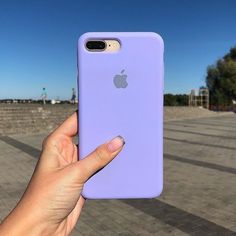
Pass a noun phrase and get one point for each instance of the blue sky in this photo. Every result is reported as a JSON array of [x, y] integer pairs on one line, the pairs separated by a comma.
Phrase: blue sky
[[38, 39]]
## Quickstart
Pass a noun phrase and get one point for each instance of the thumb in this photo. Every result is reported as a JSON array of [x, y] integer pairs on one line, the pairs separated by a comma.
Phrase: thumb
[[99, 158]]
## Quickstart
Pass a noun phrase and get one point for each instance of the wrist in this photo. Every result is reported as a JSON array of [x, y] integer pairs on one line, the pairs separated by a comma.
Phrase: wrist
[[18, 222]]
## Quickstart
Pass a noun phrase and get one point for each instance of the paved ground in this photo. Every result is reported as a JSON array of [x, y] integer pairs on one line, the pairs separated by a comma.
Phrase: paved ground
[[199, 195]]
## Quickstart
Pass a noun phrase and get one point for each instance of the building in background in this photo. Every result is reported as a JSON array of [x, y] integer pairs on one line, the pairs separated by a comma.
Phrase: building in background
[[199, 98]]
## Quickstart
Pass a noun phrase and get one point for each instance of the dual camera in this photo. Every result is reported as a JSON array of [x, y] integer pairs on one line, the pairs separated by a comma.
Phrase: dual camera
[[102, 45]]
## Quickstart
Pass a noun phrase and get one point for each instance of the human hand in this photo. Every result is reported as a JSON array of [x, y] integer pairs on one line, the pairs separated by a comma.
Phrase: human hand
[[52, 202]]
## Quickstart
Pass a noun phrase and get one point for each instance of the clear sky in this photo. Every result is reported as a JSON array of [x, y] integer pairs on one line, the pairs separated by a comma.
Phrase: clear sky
[[38, 39]]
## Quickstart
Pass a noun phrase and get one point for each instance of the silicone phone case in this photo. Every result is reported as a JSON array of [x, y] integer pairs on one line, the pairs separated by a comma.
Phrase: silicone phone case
[[134, 112]]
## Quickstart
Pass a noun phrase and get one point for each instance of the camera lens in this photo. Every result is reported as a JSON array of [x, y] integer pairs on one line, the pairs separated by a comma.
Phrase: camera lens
[[96, 45]]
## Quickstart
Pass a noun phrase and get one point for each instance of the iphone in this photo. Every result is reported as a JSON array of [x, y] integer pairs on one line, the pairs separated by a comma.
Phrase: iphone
[[120, 84]]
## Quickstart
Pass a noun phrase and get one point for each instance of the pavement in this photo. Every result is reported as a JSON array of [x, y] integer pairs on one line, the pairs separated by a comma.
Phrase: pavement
[[199, 196]]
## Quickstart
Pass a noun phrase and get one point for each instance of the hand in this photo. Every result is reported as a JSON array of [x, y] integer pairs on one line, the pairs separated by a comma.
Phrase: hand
[[52, 202]]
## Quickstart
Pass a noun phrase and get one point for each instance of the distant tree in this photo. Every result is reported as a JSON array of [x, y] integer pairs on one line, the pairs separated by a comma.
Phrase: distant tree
[[169, 100], [175, 100], [221, 80]]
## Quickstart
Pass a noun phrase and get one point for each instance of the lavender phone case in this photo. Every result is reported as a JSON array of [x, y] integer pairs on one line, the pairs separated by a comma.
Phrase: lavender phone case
[[134, 112]]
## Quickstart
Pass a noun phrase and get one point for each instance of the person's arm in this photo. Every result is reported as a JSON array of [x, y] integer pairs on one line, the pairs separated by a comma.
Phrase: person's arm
[[52, 202]]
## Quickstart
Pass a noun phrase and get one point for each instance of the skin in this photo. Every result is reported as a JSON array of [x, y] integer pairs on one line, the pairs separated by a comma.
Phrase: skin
[[52, 202]]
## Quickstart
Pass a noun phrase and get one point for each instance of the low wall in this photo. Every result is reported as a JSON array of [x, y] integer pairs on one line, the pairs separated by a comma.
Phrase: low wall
[[179, 113], [33, 118]]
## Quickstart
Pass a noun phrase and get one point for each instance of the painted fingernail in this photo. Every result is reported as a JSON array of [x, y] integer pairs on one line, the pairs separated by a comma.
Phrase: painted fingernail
[[115, 143]]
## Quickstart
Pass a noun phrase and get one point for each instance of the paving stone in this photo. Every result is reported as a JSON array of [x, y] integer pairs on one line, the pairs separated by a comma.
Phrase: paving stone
[[199, 179]]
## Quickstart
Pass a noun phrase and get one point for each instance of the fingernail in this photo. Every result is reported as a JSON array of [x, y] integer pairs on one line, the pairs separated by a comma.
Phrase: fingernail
[[115, 143]]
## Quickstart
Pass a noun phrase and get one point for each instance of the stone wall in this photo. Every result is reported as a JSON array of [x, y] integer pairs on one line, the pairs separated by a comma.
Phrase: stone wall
[[179, 113], [33, 118]]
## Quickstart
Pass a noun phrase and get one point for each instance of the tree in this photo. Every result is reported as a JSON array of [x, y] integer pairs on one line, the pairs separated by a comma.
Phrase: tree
[[221, 80], [175, 100]]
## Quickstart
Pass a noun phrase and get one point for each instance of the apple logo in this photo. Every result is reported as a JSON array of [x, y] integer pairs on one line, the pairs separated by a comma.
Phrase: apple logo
[[120, 80]]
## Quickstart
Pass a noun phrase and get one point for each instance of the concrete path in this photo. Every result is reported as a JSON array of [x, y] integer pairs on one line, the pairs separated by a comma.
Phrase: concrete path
[[199, 196]]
